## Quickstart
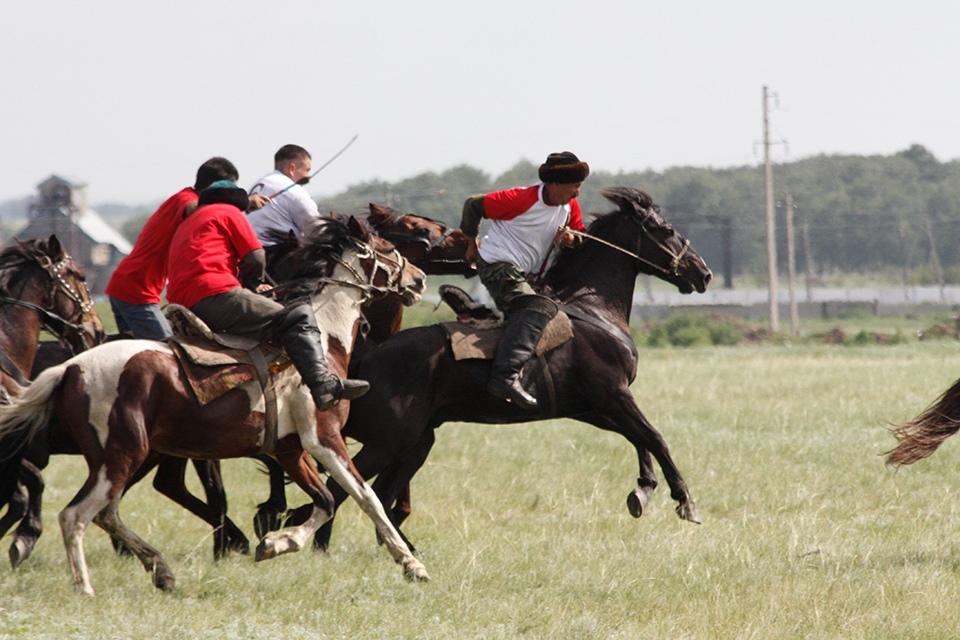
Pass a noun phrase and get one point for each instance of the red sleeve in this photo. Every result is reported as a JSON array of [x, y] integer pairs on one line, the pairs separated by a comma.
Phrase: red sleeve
[[240, 234], [576, 218], [510, 203]]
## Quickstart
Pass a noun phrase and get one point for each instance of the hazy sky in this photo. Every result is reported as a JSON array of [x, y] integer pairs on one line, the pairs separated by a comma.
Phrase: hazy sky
[[130, 97]]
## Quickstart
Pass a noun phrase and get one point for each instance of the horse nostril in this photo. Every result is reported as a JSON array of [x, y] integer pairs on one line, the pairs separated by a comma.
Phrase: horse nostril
[[708, 277]]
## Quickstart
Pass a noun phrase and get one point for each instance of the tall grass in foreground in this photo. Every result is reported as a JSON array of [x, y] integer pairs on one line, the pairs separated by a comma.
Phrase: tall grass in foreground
[[525, 532]]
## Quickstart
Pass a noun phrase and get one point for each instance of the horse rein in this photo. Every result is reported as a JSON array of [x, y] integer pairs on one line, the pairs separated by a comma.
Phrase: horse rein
[[675, 258], [51, 321]]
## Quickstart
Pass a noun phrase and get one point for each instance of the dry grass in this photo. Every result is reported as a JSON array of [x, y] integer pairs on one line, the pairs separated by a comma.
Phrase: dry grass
[[525, 532]]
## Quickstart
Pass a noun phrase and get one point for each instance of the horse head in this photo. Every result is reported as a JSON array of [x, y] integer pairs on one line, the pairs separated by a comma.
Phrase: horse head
[[429, 244], [661, 250], [51, 280], [366, 262], [389, 271]]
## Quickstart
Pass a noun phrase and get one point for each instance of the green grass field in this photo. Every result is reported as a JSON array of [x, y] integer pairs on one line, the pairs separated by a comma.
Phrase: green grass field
[[525, 532]]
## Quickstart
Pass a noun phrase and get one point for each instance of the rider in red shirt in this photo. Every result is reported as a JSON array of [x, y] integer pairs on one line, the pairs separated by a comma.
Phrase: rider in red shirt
[[216, 269], [138, 281]]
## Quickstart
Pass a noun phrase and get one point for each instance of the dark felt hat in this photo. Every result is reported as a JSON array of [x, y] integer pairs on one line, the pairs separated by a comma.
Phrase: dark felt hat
[[564, 167], [224, 192]]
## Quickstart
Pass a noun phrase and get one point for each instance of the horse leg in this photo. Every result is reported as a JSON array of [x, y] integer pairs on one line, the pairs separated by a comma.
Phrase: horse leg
[[171, 482], [369, 462], [16, 508], [393, 485], [269, 515], [623, 416], [152, 460], [108, 519], [327, 446], [287, 540], [227, 536], [26, 507]]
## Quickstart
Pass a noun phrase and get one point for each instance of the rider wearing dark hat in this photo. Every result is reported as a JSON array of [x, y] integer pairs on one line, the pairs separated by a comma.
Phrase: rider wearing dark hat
[[524, 224], [216, 269]]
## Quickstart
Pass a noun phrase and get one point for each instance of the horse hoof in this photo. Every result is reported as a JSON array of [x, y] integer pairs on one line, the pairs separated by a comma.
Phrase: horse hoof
[[637, 502], [20, 550], [414, 571], [223, 549], [163, 579], [265, 551], [688, 511]]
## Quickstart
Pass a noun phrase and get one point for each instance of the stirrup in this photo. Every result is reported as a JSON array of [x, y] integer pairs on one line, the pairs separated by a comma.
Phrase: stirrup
[[512, 391]]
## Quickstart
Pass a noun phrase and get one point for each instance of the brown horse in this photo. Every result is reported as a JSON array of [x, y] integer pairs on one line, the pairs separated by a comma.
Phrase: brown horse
[[41, 287], [417, 385], [119, 400]]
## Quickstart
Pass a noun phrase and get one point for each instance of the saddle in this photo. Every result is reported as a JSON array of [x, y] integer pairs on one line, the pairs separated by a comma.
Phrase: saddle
[[477, 330], [215, 363]]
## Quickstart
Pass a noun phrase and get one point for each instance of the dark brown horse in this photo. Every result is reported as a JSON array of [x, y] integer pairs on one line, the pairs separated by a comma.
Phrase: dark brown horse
[[416, 385], [119, 400], [41, 287], [427, 243]]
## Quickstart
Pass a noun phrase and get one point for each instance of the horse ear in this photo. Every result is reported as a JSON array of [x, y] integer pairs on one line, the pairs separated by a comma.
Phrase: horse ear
[[54, 248], [377, 212], [357, 230]]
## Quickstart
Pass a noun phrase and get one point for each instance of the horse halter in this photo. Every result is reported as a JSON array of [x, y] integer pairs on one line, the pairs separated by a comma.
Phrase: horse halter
[[675, 257], [51, 321], [393, 266]]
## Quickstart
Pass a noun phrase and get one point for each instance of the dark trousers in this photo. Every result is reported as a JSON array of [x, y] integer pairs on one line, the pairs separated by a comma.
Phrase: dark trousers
[[238, 311]]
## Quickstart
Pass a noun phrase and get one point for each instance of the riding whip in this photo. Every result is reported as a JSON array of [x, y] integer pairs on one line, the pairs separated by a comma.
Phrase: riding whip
[[304, 180]]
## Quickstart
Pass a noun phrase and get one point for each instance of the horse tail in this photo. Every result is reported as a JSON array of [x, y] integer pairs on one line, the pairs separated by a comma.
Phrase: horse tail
[[921, 436], [20, 420]]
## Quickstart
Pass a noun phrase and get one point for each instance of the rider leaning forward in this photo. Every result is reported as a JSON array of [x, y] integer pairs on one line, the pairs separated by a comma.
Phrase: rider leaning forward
[[216, 268], [524, 223]]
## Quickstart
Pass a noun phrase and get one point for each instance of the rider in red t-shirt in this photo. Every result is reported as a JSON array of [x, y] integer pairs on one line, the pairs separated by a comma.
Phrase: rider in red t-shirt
[[216, 269], [137, 282]]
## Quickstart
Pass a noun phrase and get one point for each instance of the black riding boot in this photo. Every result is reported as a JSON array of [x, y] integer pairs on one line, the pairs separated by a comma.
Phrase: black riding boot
[[525, 325], [300, 337]]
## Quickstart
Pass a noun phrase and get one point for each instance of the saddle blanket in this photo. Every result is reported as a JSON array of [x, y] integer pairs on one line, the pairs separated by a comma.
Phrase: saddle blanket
[[469, 341], [212, 369]]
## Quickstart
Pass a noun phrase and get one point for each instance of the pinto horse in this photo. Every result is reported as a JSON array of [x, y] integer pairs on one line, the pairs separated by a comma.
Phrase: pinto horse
[[119, 400], [41, 287], [416, 385]]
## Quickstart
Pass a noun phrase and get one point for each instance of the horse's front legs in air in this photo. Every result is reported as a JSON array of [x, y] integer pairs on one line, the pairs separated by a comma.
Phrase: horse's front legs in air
[[622, 416]]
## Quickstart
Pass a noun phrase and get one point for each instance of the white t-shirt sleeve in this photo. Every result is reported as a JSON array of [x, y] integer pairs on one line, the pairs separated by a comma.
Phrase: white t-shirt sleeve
[[303, 210]]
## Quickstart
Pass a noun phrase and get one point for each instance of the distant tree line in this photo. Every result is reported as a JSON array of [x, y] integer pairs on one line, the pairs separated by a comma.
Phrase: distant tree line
[[893, 217]]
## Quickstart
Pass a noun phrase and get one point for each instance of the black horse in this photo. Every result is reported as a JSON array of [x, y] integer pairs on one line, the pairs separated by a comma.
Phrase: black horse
[[416, 385]]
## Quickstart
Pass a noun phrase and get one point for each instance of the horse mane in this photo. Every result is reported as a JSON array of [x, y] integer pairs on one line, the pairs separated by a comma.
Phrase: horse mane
[[629, 201], [15, 256], [312, 256]]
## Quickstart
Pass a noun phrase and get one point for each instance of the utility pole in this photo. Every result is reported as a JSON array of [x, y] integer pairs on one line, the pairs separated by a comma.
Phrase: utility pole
[[771, 223], [934, 256], [791, 265], [808, 267]]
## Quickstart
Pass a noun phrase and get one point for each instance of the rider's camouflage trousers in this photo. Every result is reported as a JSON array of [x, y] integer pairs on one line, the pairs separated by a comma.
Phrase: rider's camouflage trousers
[[504, 281]]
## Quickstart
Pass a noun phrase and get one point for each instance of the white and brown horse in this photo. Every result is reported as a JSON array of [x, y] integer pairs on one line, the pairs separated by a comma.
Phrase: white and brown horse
[[124, 398]]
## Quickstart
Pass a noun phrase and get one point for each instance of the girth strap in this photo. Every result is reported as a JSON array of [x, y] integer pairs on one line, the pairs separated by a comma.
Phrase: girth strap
[[269, 399], [551, 408]]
